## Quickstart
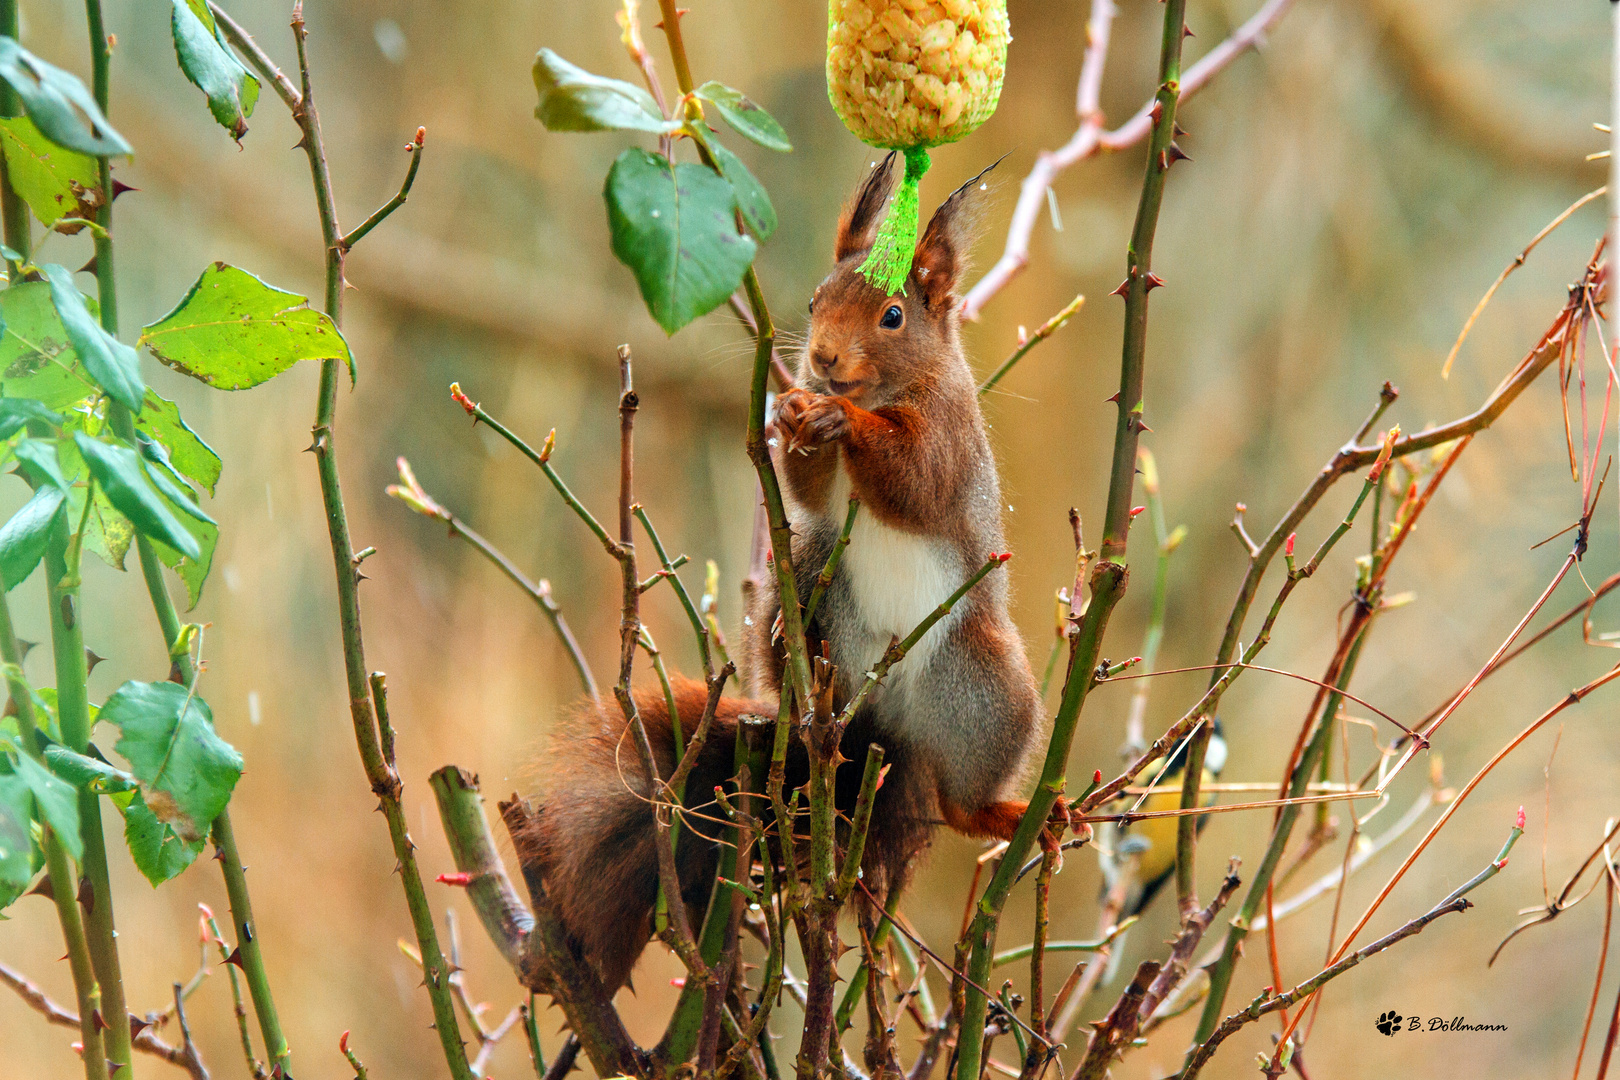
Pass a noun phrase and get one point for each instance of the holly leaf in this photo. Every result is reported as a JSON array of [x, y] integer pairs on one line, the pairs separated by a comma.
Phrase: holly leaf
[[191, 457], [745, 116], [36, 356], [23, 537], [673, 227], [118, 472], [755, 205], [53, 181], [58, 103], [233, 331], [212, 67], [186, 770], [572, 99], [114, 365]]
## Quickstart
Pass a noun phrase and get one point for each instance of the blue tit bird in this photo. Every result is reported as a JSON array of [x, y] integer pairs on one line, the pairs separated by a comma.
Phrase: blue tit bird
[[1138, 858]]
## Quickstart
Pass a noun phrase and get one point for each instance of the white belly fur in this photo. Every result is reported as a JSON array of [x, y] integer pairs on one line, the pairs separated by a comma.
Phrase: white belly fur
[[897, 579]]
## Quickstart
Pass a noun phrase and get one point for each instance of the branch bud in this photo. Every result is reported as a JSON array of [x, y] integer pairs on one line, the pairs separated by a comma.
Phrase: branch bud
[[1390, 436], [463, 400], [459, 879]]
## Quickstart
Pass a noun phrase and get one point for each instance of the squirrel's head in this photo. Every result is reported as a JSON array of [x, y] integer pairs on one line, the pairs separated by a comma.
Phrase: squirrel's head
[[867, 346]]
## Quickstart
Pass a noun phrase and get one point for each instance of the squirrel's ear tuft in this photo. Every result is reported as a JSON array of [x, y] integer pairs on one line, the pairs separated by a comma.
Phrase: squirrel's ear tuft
[[941, 256], [858, 223]]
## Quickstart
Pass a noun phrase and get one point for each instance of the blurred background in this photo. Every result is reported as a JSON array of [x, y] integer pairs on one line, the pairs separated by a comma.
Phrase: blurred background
[[1354, 189]]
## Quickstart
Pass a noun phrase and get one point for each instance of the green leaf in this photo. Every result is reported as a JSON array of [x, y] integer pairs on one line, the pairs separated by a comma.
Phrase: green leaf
[[167, 481], [55, 801], [755, 205], [192, 571], [745, 116], [673, 227], [43, 465], [58, 102], [186, 770], [572, 99], [107, 533], [114, 365], [53, 181], [45, 715], [159, 852], [23, 538], [83, 771], [212, 67], [36, 356], [118, 471], [16, 838], [233, 331], [190, 456], [16, 412]]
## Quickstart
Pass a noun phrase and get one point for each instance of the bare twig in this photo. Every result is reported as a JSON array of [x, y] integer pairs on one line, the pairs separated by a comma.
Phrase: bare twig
[[411, 493], [147, 1042], [415, 149], [1025, 344], [1092, 137]]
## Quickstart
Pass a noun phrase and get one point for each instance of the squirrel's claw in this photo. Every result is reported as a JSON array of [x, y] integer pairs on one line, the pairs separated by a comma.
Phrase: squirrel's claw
[[1058, 823]]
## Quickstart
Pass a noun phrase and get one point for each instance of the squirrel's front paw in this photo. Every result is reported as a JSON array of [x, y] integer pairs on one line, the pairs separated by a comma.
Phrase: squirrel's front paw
[[791, 406], [823, 421]]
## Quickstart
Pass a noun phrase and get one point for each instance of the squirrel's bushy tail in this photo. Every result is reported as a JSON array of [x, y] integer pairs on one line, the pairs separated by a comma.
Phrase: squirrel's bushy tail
[[594, 833]]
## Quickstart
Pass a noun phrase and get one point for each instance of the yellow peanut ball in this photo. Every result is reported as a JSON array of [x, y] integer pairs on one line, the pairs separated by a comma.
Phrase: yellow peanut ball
[[905, 74]]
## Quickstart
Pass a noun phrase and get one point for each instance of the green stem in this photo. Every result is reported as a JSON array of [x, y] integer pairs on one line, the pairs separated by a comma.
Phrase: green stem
[[380, 772], [461, 810], [759, 384], [73, 714], [699, 630], [224, 837], [542, 459], [1108, 578], [531, 1032], [100, 61], [1220, 973], [64, 887], [825, 578], [1046, 330], [13, 211], [857, 982], [248, 946]]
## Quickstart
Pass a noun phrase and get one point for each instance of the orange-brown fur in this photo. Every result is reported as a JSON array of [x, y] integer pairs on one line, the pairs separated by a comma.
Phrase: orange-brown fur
[[893, 413]]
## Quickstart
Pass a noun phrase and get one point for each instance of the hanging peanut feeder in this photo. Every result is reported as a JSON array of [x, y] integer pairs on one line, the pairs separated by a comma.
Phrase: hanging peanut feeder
[[908, 75]]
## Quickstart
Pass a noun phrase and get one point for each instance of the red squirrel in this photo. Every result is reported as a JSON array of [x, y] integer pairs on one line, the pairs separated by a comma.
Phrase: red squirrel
[[886, 408]]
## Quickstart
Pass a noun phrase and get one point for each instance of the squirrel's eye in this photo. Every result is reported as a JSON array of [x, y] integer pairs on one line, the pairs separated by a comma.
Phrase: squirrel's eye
[[892, 318]]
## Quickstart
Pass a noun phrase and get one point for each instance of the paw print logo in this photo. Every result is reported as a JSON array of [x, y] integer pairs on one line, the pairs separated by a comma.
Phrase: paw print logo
[[1389, 1023]]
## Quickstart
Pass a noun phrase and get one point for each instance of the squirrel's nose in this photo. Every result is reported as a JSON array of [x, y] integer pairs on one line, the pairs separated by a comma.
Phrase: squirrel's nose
[[822, 363]]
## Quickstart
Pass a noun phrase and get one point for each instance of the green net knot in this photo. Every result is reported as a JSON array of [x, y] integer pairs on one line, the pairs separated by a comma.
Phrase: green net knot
[[889, 261]]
